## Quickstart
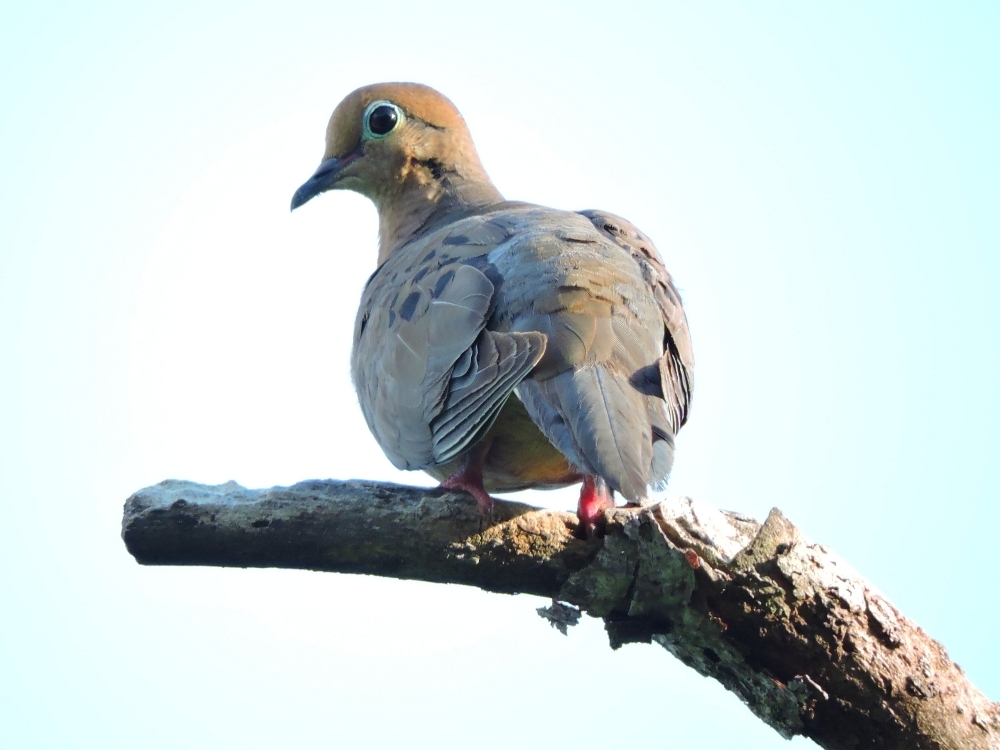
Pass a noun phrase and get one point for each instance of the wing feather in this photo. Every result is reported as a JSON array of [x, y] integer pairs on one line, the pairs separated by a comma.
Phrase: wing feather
[[429, 377]]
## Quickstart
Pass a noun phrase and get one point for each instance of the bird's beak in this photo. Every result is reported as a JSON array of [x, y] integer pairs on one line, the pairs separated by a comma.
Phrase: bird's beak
[[321, 180]]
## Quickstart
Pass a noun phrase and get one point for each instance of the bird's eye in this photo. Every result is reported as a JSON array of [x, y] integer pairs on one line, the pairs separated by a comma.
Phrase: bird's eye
[[381, 118]]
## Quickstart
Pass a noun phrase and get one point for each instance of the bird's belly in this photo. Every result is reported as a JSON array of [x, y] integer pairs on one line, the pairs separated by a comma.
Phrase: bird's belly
[[518, 456]]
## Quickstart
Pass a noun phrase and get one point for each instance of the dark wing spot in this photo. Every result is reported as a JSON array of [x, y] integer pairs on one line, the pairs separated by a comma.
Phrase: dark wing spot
[[409, 306], [420, 274], [459, 239], [442, 283], [430, 255], [392, 317], [482, 263], [646, 380]]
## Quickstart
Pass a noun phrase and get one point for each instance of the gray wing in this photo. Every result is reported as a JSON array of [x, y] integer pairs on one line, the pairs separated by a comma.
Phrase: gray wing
[[430, 379], [613, 385], [673, 378]]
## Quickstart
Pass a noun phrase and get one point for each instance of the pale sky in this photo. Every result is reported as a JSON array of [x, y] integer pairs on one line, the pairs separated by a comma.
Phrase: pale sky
[[822, 182]]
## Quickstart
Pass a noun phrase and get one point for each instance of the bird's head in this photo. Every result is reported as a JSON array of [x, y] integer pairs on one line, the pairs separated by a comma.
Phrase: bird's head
[[395, 143]]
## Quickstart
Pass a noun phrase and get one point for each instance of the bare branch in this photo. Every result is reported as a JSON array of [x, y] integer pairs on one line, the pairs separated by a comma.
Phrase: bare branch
[[811, 647]]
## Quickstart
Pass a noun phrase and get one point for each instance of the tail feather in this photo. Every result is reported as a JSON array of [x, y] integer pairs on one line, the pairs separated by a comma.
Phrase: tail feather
[[599, 421]]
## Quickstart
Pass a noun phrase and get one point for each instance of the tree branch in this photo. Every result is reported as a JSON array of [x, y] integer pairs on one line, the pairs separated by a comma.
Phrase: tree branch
[[811, 647]]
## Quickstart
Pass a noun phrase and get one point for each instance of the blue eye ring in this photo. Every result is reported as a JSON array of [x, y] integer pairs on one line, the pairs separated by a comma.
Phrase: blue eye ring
[[381, 118]]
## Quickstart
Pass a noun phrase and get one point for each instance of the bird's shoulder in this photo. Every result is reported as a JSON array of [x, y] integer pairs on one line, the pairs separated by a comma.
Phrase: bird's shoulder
[[489, 238], [630, 238]]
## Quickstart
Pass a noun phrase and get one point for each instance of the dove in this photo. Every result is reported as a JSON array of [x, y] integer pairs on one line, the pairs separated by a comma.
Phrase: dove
[[499, 345]]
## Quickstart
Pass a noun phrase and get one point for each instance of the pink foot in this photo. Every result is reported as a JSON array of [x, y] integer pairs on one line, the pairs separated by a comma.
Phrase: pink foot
[[595, 498], [470, 478], [473, 484]]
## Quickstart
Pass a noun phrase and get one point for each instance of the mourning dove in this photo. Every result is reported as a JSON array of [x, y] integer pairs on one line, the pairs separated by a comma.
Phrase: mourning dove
[[502, 345]]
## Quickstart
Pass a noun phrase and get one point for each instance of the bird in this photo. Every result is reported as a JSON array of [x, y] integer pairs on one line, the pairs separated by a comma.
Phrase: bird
[[501, 345]]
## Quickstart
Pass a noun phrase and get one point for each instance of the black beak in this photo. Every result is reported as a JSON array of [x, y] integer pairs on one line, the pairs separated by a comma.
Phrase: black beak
[[321, 180]]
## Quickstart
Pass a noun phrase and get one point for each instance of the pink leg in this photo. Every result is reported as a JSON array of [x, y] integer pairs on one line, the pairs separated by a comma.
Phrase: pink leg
[[470, 479], [595, 498]]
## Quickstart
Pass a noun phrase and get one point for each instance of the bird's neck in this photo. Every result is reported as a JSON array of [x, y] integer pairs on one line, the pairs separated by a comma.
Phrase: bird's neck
[[422, 203]]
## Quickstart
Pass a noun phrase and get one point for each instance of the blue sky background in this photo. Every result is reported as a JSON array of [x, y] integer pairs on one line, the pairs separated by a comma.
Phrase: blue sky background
[[822, 181]]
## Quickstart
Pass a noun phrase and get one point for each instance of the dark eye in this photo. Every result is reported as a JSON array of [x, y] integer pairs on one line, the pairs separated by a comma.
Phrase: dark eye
[[381, 118]]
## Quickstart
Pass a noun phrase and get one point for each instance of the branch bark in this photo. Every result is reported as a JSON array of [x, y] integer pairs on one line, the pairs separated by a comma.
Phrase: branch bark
[[810, 646]]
